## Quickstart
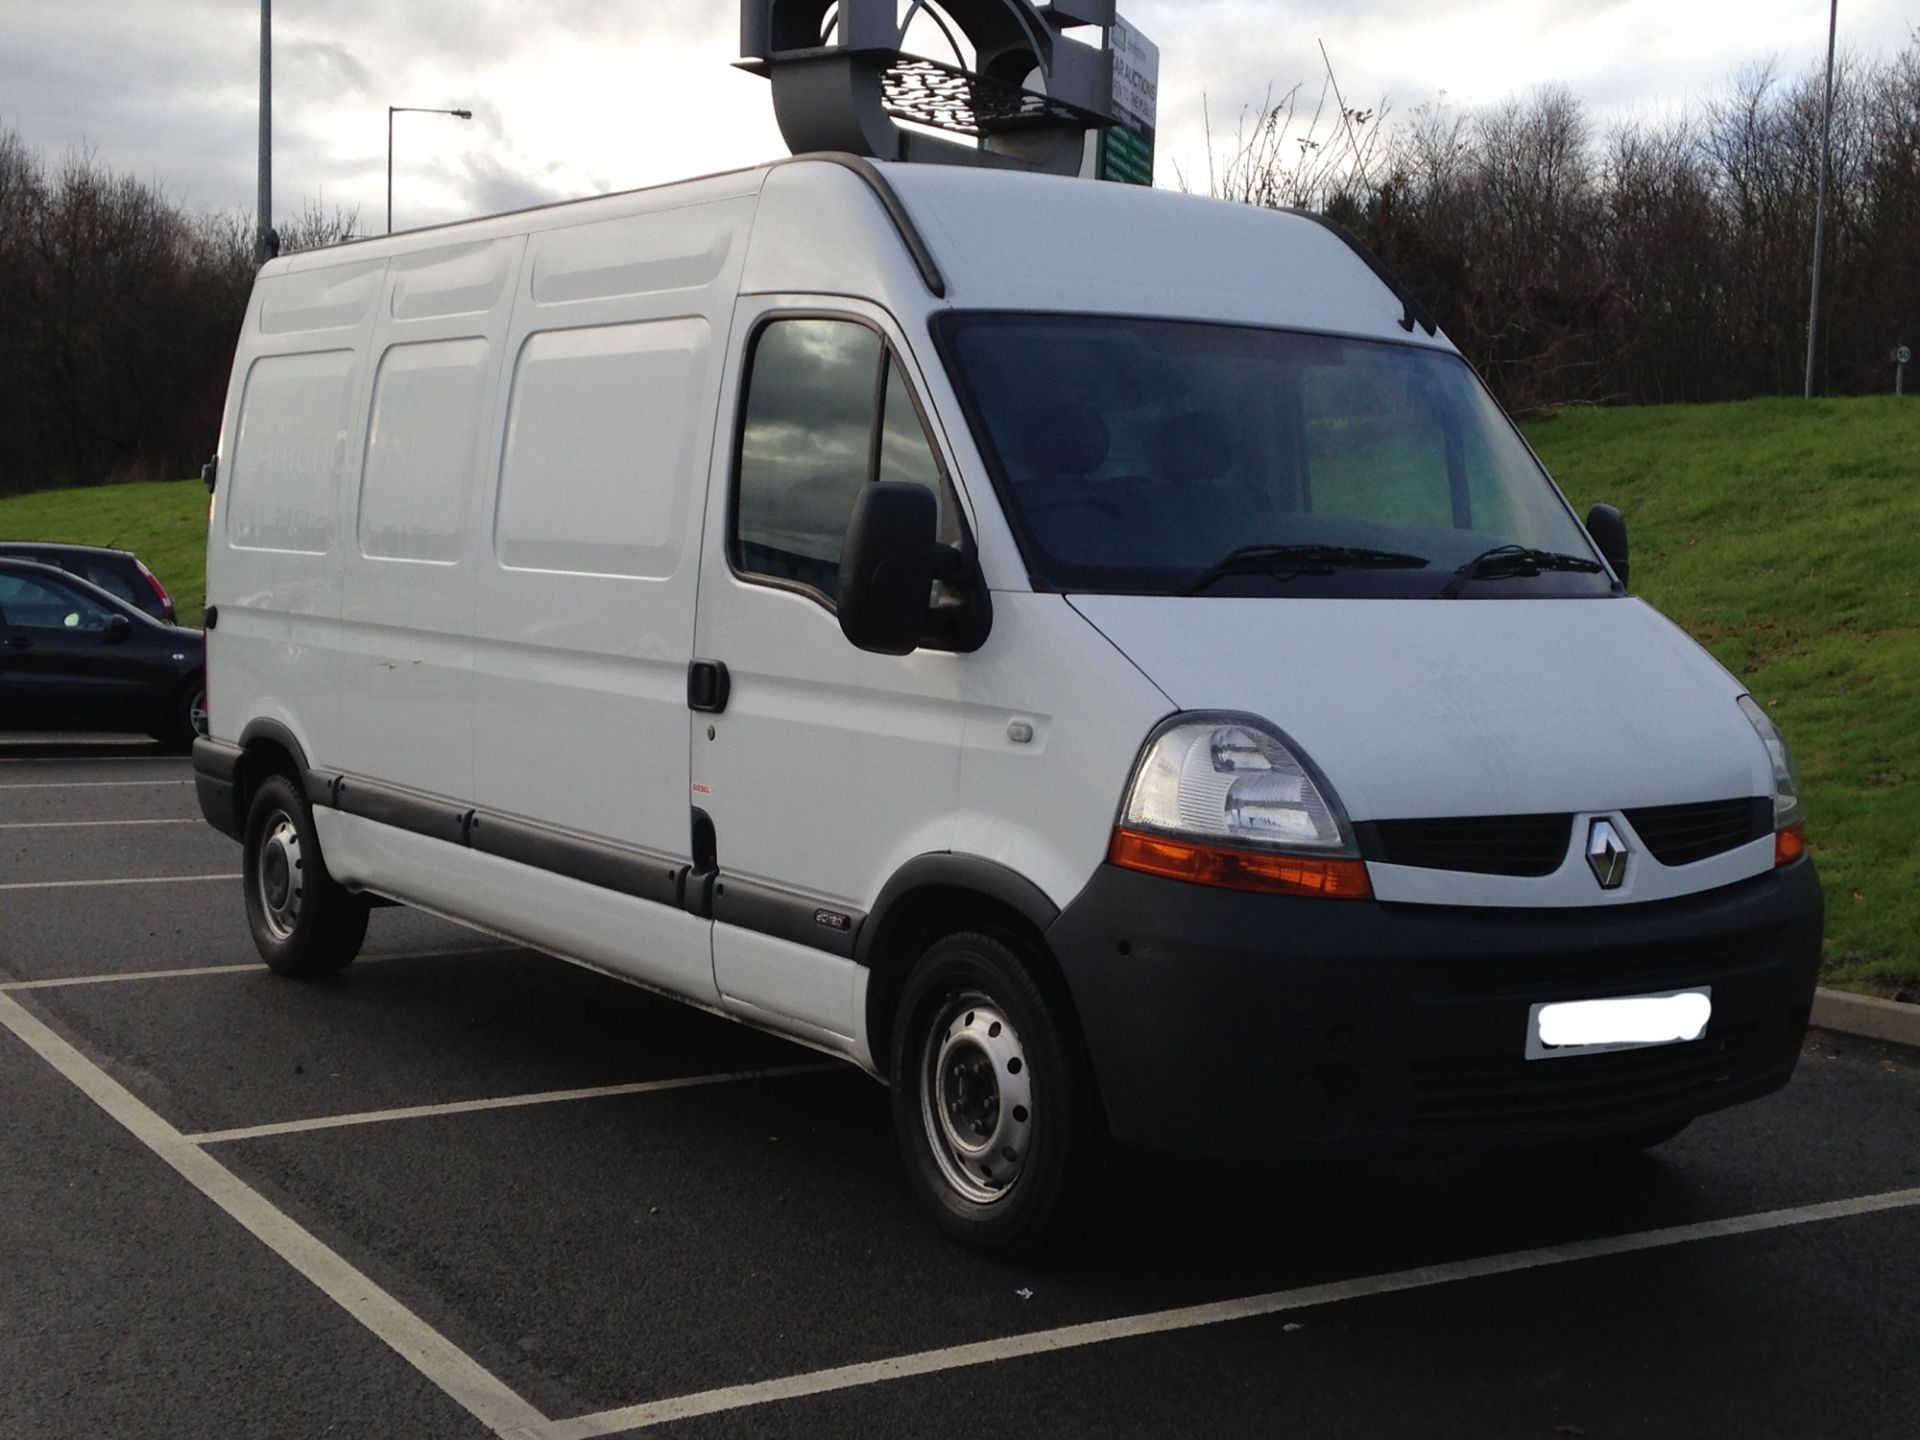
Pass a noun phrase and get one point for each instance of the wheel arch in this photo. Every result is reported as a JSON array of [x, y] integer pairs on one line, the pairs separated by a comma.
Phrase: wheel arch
[[268, 747], [935, 895]]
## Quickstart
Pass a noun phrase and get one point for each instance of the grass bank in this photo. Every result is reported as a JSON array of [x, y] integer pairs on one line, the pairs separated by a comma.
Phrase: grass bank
[[163, 522], [1785, 536]]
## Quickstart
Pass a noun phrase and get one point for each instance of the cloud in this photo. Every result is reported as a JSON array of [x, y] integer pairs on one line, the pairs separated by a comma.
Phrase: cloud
[[495, 187], [319, 67], [578, 96]]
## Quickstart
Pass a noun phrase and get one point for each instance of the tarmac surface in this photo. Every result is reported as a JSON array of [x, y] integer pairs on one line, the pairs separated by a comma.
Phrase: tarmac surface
[[469, 1190]]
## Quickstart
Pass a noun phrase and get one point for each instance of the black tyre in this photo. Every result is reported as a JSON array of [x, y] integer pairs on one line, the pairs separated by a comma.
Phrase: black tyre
[[188, 717], [993, 1104], [304, 924]]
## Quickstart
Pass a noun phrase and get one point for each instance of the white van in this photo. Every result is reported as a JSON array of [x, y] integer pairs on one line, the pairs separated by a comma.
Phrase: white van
[[1095, 659]]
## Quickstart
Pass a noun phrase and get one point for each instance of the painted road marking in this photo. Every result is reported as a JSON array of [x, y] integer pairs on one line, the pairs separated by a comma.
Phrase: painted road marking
[[507, 1102], [1072, 1337], [91, 824], [157, 758], [91, 884], [92, 784], [128, 976], [455, 1372]]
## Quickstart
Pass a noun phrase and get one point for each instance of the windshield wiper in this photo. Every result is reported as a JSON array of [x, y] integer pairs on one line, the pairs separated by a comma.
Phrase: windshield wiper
[[1516, 562], [1291, 560]]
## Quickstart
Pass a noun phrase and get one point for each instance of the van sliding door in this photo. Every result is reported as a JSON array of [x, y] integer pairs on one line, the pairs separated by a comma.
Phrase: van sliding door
[[583, 627]]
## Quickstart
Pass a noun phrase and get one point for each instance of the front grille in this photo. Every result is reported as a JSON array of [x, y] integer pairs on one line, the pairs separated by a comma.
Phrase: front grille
[[1684, 834], [1636, 970], [1579, 1089], [1530, 846]]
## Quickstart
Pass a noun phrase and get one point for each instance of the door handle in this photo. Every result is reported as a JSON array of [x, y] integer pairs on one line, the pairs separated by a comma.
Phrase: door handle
[[708, 687]]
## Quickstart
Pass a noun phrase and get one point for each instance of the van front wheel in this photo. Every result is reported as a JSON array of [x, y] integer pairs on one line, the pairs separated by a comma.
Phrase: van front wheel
[[993, 1109], [304, 923]]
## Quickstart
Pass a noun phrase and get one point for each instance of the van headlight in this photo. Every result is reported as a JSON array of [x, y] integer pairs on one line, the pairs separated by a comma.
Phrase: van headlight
[[1225, 800], [1789, 817]]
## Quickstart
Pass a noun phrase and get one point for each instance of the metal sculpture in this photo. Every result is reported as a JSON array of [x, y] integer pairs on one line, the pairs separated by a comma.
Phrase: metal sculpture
[[842, 81]]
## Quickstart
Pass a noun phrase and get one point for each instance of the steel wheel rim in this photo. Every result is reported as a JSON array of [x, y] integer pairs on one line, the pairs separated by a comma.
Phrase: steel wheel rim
[[976, 1099], [197, 712], [278, 877]]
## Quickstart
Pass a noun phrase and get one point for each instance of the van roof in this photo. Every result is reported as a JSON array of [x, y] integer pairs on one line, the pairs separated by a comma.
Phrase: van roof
[[1009, 240]]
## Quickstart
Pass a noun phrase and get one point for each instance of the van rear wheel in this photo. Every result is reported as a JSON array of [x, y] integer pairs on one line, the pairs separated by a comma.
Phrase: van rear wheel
[[304, 923], [992, 1103]]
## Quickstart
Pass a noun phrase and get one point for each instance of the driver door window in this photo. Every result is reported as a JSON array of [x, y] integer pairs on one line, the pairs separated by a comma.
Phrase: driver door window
[[828, 411]]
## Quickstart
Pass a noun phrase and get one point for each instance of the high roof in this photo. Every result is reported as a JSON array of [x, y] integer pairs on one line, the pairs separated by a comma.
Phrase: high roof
[[1039, 242], [999, 240]]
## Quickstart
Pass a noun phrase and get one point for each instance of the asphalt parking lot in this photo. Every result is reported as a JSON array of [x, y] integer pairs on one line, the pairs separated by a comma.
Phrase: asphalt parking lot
[[467, 1189]]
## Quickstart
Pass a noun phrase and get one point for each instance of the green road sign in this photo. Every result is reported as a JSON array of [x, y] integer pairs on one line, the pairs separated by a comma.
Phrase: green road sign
[[1126, 150]]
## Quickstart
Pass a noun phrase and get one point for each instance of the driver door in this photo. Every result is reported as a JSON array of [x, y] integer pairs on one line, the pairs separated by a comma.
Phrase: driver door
[[827, 768]]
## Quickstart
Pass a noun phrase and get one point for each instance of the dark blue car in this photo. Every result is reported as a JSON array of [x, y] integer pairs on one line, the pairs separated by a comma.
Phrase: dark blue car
[[75, 657]]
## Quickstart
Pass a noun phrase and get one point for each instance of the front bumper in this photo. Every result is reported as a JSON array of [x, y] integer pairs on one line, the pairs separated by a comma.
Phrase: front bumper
[[1245, 1026], [216, 768]]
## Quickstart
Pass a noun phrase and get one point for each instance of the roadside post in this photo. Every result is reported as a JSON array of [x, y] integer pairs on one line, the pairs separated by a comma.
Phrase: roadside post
[[1902, 357]]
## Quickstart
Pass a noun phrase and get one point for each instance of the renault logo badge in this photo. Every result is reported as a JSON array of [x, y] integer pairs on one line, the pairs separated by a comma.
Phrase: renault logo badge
[[1607, 853]]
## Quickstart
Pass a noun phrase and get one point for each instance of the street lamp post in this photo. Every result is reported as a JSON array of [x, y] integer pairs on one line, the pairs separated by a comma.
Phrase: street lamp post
[[263, 204], [1820, 205], [393, 110]]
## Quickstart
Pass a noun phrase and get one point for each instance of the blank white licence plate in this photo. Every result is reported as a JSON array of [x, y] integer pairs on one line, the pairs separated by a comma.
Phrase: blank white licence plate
[[1594, 1027]]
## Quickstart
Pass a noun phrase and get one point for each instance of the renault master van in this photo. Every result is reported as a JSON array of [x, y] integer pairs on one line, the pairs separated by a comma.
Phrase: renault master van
[[1097, 660]]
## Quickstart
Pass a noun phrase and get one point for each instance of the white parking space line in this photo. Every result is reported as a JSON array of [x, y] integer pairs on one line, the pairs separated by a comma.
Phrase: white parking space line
[[1071, 1337], [506, 1102], [461, 1377], [126, 977], [96, 884], [91, 824], [81, 759], [92, 784]]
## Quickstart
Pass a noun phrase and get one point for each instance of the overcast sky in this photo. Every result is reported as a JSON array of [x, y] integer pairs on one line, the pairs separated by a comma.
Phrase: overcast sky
[[574, 97]]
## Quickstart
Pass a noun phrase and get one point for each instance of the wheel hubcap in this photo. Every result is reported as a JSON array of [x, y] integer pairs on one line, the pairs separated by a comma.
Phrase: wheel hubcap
[[197, 712], [279, 879], [976, 1099]]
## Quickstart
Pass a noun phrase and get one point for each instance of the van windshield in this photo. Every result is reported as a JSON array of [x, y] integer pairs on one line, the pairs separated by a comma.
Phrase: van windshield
[[1139, 456]]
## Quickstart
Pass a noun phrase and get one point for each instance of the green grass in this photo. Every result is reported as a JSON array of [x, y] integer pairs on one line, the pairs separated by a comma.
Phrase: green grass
[[163, 522], [1785, 536]]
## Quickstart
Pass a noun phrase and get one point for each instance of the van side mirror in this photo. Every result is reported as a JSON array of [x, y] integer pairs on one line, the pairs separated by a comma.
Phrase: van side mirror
[[887, 567], [1608, 527]]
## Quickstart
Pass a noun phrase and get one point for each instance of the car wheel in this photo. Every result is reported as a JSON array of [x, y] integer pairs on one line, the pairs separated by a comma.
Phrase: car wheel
[[187, 720], [993, 1104], [304, 923]]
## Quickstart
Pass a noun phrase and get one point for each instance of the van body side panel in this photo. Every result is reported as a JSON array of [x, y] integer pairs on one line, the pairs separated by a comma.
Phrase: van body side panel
[[657, 945], [413, 553], [584, 618], [1045, 808], [279, 525]]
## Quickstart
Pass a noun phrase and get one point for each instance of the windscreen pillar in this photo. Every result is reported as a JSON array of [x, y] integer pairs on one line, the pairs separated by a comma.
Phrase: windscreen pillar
[[1025, 98]]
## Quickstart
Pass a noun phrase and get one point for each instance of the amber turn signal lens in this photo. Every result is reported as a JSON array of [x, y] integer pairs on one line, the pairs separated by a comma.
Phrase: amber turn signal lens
[[1789, 844], [1240, 869]]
